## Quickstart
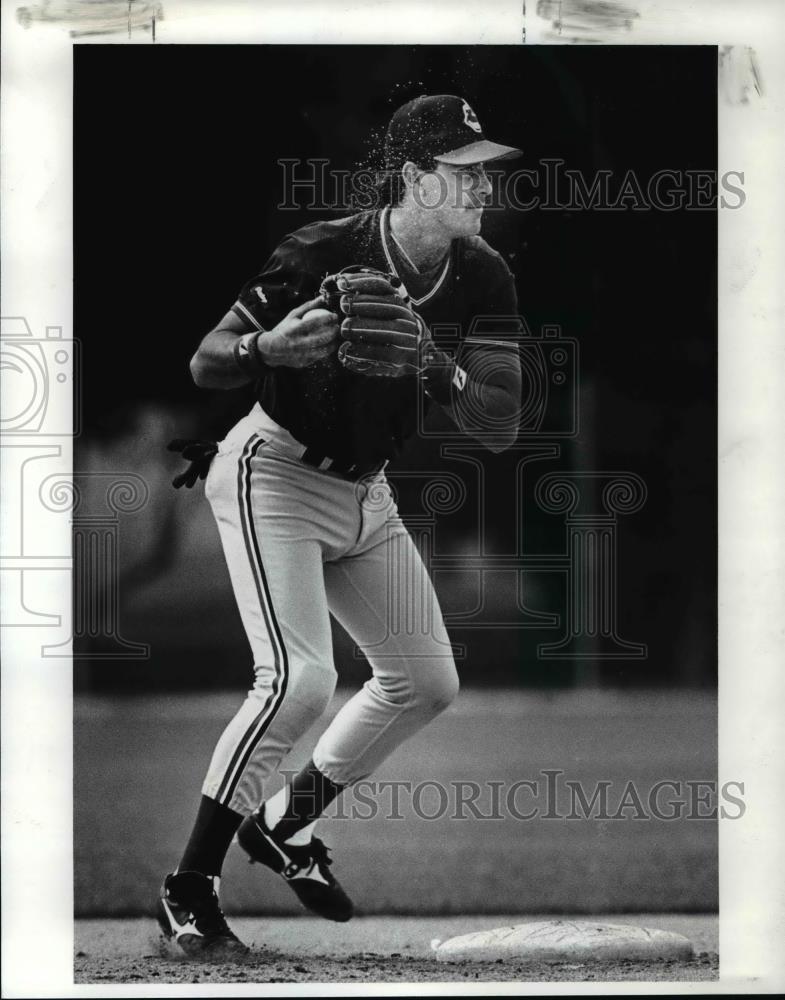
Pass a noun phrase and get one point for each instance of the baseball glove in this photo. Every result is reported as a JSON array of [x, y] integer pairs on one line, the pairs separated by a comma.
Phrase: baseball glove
[[380, 330]]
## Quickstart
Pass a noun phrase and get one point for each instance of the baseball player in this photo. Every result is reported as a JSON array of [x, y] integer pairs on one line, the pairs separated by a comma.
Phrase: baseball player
[[335, 332]]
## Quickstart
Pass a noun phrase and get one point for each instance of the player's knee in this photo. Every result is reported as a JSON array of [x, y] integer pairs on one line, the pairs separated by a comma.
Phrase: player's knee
[[435, 688], [312, 688], [309, 686]]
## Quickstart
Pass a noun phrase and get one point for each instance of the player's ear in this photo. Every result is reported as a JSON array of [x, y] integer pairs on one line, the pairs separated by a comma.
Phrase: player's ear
[[410, 173]]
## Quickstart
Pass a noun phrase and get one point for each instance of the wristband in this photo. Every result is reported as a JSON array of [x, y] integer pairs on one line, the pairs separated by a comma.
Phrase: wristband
[[247, 355], [442, 376]]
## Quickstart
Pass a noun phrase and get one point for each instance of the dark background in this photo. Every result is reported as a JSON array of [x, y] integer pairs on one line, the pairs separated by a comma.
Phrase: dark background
[[176, 187]]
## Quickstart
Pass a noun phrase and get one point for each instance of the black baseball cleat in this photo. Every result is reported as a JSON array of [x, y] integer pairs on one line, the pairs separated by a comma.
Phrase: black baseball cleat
[[305, 869], [190, 915]]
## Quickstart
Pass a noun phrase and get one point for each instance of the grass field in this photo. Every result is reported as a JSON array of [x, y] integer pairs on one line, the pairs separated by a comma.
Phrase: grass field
[[139, 764]]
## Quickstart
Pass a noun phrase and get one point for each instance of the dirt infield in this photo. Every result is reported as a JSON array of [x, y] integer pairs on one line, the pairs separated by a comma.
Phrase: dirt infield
[[369, 949]]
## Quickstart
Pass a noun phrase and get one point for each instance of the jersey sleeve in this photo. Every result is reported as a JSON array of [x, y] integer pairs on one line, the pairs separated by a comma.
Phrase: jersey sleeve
[[287, 280], [495, 310], [502, 297]]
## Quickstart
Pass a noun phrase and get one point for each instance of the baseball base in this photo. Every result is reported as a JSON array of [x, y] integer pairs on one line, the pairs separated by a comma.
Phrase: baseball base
[[564, 941]]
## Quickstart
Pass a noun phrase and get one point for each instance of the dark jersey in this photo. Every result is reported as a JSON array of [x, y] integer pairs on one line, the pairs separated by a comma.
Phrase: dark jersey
[[348, 416]]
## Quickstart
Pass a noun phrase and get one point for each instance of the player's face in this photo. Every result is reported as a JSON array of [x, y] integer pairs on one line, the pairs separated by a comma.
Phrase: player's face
[[457, 196]]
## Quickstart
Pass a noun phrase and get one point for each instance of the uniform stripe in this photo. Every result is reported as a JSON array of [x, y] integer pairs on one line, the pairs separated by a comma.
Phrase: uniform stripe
[[253, 444], [261, 722], [439, 281], [247, 314]]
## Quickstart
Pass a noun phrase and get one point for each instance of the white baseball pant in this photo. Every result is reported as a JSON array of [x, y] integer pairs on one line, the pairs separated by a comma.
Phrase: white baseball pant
[[300, 544]]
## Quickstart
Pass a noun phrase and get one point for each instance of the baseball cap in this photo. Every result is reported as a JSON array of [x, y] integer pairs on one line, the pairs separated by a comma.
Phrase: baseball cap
[[442, 127]]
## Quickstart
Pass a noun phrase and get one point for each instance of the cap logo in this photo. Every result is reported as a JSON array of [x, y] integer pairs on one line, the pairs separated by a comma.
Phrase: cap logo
[[470, 118]]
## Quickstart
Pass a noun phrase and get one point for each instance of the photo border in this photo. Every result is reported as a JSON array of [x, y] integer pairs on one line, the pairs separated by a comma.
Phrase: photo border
[[37, 271]]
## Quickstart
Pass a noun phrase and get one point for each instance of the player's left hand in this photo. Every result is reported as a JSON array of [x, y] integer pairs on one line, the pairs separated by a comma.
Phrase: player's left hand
[[380, 331]]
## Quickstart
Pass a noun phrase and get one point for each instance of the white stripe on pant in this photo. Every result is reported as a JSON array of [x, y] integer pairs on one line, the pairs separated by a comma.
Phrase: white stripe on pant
[[299, 544]]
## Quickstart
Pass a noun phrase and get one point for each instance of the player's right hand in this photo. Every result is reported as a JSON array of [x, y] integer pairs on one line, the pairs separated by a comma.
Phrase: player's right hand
[[300, 340]]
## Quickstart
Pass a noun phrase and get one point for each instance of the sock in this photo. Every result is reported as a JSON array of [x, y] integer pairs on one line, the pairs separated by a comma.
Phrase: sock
[[210, 838], [293, 811]]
